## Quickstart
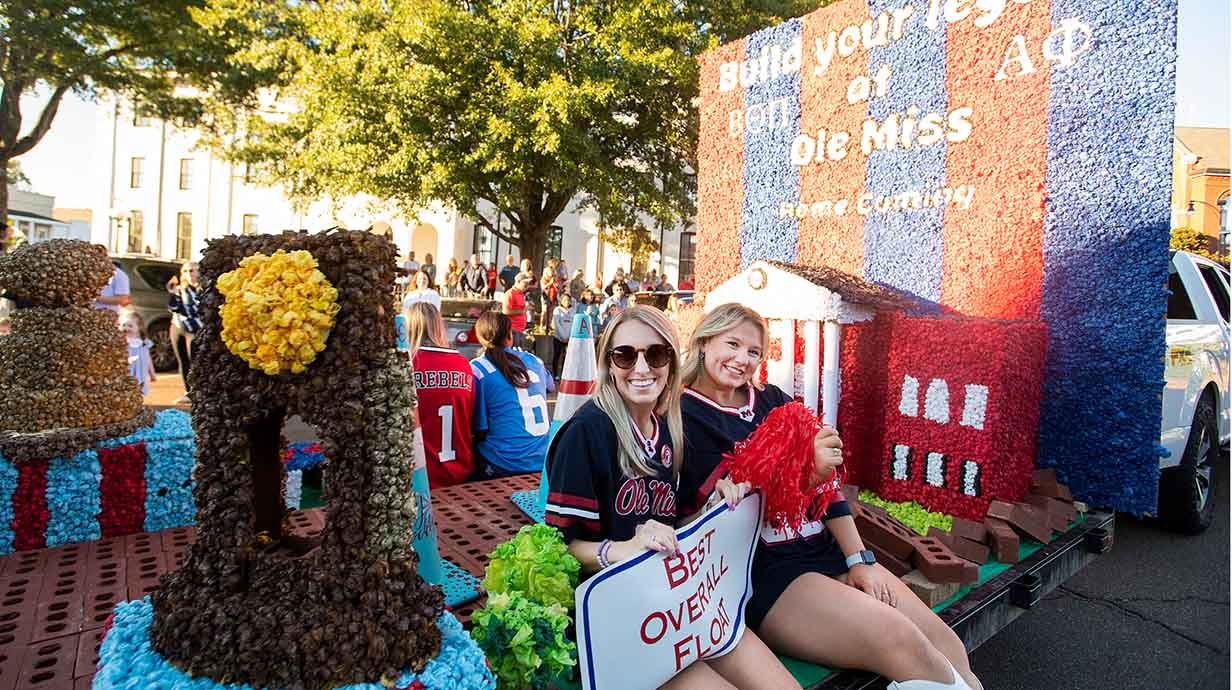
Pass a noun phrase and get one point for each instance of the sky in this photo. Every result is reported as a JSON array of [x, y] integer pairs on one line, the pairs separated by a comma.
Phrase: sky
[[70, 165]]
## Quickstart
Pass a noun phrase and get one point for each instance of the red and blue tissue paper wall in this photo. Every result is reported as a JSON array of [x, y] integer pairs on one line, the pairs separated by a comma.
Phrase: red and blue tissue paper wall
[[1026, 179]]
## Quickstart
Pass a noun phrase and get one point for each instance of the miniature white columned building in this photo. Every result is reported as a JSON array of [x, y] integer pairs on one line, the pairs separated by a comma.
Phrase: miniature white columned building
[[807, 305]]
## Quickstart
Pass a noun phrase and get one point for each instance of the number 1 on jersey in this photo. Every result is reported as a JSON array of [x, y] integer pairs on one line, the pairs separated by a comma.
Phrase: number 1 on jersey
[[445, 412]]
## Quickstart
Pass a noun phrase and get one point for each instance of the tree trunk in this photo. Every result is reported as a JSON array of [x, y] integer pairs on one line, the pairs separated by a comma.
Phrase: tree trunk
[[533, 243], [5, 233]]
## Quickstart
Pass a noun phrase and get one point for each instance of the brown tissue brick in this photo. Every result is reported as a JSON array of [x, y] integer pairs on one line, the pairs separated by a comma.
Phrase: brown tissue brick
[[1044, 476], [968, 530], [886, 534], [970, 550], [1003, 540], [936, 561]]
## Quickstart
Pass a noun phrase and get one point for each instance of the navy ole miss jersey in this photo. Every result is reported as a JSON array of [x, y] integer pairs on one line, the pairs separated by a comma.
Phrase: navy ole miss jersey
[[710, 430], [588, 496], [446, 390]]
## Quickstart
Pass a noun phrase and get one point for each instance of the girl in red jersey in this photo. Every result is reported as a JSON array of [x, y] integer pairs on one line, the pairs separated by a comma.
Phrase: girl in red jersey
[[446, 390]]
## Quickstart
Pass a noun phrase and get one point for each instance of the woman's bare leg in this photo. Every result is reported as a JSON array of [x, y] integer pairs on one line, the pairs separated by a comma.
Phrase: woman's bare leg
[[938, 633], [752, 666], [698, 676], [822, 620]]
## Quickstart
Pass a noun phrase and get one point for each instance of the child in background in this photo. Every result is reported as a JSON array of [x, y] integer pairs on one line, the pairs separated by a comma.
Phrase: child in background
[[562, 328], [140, 364]]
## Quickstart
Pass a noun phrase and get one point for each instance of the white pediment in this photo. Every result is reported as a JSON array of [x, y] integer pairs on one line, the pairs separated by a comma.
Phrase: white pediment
[[778, 294]]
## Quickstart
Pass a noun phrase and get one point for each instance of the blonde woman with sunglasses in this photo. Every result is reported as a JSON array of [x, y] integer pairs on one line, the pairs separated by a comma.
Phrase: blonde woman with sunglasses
[[627, 441], [818, 595]]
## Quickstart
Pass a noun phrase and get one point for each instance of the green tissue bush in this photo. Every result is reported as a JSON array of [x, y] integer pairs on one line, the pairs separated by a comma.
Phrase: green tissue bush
[[524, 641], [911, 514], [535, 563]]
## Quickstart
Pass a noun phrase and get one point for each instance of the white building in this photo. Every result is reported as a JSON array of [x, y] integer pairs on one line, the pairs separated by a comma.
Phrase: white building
[[166, 196], [33, 217]]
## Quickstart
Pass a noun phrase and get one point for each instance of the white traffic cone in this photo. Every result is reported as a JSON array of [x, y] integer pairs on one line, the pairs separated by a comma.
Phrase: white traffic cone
[[577, 381]]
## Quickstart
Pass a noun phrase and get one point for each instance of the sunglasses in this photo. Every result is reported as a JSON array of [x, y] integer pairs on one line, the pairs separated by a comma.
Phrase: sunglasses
[[625, 356]]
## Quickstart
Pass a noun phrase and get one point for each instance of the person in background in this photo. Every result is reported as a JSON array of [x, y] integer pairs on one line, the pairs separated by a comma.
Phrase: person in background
[[598, 286], [491, 280], [115, 294], [576, 285], [511, 410], [562, 327], [632, 284], [429, 267], [589, 305], [185, 320], [453, 275], [140, 364], [627, 438], [474, 278], [547, 296], [513, 305], [411, 265], [527, 267], [421, 292], [445, 387], [562, 270], [612, 306], [662, 285], [509, 273], [619, 277]]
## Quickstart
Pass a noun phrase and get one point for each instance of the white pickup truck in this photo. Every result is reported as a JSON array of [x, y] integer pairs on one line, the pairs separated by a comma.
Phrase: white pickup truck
[[1195, 399]]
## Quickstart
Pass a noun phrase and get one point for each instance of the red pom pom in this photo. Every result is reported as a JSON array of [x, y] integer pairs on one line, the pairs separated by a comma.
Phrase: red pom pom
[[778, 459]]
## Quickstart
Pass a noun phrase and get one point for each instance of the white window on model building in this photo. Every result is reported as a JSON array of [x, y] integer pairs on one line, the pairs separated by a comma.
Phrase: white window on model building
[[183, 236], [186, 173], [136, 172], [250, 224]]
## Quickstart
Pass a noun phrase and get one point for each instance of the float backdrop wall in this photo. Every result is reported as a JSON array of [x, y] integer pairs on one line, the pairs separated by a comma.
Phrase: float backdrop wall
[[1000, 160]]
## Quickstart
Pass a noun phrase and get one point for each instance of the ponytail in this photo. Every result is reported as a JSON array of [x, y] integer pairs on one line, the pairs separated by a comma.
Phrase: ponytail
[[494, 330]]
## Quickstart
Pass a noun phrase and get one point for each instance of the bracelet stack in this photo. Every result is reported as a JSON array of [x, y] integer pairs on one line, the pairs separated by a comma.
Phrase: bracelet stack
[[603, 549]]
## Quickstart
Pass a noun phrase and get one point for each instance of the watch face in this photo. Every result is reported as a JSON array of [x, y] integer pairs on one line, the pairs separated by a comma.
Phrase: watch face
[[868, 557]]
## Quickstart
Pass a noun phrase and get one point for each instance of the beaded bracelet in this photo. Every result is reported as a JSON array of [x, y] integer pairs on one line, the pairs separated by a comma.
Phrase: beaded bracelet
[[603, 548]]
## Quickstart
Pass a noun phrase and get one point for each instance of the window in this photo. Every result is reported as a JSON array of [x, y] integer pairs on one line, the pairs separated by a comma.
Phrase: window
[[136, 166], [186, 173], [42, 231], [688, 245], [1179, 306], [250, 223], [136, 230], [183, 236], [1223, 224], [1218, 290], [486, 245], [551, 248]]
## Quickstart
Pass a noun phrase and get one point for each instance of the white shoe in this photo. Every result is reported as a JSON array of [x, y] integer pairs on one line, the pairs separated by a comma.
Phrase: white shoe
[[183, 400], [957, 684]]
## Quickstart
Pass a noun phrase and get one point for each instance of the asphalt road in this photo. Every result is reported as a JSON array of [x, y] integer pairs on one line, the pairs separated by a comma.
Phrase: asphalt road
[[1152, 614]]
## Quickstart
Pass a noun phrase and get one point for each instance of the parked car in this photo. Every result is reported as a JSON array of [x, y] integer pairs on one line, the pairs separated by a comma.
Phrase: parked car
[[1195, 396], [147, 282]]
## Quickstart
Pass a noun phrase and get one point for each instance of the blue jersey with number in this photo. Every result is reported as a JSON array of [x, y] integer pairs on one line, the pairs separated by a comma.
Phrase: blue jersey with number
[[515, 420]]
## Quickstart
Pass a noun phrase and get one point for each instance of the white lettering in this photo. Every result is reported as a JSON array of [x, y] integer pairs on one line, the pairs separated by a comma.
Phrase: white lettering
[[848, 41], [991, 11], [803, 147], [1065, 53], [880, 137], [755, 113], [882, 37], [735, 123], [836, 150], [1016, 52], [882, 79], [959, 122], [858, 89], [901, 15], [931, 129], [728, 76], [792, 58], [824, 53]]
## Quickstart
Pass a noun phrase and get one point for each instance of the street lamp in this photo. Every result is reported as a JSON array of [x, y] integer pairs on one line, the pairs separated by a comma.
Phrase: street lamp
[[1223, 230]]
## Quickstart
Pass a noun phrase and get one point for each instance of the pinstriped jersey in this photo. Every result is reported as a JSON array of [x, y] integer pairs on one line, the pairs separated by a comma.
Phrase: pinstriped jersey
[[588, 496]]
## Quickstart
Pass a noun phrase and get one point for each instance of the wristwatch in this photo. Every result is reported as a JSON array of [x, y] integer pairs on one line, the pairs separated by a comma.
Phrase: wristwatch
[[866, 557]]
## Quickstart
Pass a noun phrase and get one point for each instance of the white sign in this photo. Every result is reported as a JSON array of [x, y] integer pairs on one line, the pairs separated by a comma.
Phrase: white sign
[[643, 620]]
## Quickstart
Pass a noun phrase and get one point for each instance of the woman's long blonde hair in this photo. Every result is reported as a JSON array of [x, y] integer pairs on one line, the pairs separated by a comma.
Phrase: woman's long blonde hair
[[631, 455], [720, 320], [424, 326]]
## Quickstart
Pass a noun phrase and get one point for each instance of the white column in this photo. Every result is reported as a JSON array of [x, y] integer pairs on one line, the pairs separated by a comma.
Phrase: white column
[[781, 371], [829, 373], [812, 362]]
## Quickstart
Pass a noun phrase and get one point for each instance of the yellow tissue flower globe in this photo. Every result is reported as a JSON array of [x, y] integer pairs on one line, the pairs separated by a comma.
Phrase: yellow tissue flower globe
[[277, 311]]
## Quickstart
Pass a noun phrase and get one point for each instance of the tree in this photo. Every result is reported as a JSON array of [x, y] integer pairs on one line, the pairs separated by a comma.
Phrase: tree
[[1187, 239], [634, 240], [15, 175], [150, 51], [496, 107]]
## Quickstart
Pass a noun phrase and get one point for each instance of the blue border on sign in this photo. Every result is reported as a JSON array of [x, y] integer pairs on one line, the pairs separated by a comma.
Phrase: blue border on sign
[[584, 616]]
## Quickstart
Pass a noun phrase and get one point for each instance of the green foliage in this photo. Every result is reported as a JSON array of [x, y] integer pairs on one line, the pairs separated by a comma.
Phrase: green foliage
[[536, 564], [153, 52], [1190, 240], [15, 175], [503, 107], [524, 641], [911, 514], [634, 240]]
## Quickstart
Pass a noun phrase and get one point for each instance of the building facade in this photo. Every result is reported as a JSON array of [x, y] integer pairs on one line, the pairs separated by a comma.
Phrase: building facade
[[34, 218], [166, 196], [1200, 183]]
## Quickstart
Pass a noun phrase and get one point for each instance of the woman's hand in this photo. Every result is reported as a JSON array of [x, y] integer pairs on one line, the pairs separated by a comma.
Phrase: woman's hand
[[827, 454], [729, 491], [652, 535], [872, 582]]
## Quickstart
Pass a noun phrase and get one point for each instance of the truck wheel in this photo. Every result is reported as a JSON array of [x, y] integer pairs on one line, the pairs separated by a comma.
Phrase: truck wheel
[[1187, 492], [163, 352]]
